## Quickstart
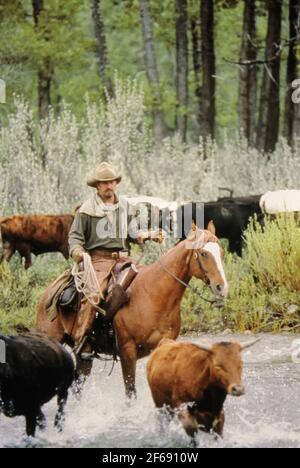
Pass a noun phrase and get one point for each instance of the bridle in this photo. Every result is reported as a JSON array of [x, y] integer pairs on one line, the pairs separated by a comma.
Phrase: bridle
[[183, 283]]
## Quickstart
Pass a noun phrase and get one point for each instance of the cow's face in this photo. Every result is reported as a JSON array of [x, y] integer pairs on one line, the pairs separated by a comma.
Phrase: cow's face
[[206, 262], [227, 367]]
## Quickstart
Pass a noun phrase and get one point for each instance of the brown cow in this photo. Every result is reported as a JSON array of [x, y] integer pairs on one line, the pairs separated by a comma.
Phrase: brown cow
[[35, 234], [195, 380]]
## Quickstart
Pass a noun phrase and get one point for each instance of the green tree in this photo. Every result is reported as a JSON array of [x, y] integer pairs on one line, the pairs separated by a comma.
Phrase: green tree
[[45, 38]]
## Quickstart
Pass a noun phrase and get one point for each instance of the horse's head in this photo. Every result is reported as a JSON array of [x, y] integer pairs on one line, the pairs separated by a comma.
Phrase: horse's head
[[205, 259]]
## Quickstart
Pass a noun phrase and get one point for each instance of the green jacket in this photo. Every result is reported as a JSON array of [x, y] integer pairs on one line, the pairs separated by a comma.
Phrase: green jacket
[[93, 228]]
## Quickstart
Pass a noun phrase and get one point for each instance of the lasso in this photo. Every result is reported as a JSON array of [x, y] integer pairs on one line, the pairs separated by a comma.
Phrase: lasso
[[86, 281]]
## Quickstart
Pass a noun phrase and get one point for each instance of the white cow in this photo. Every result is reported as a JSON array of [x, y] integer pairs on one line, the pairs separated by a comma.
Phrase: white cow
[[280, 201], [153, 201]]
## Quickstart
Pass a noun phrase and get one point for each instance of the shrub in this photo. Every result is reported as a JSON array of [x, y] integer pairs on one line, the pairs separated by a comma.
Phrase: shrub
[[20, 290], [263, 284]]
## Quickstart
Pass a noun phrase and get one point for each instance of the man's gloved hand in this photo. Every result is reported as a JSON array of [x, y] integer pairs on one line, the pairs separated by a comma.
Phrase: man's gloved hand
[[77, 254], [140, 239], [156, 236]]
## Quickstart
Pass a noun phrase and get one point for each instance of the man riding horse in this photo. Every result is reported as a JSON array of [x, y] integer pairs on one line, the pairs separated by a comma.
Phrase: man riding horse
[[101, 228], [153, 311]]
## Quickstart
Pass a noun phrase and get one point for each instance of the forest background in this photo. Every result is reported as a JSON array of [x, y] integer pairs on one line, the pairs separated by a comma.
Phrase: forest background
[[185, 97]]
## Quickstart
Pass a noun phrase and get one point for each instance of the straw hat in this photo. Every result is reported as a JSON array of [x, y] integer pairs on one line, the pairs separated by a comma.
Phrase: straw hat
[[105, 172]]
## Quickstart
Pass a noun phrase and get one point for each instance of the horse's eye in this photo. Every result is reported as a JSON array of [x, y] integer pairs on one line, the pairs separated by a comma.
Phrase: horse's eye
[[204, 254]]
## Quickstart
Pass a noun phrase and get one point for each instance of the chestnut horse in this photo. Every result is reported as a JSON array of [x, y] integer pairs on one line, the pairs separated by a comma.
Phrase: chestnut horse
[[153, 312]]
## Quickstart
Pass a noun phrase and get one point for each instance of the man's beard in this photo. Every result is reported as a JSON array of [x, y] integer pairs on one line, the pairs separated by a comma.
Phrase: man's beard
[[108, 194]]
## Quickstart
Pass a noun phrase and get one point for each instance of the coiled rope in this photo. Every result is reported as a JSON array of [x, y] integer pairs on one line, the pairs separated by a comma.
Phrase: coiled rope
[[86, 281]]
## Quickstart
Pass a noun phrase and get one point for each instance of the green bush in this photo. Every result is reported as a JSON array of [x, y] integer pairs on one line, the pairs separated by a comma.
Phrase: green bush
[[263, 285], [20, 290]]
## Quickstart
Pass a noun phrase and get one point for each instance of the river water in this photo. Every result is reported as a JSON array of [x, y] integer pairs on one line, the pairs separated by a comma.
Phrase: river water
[[268, 415]]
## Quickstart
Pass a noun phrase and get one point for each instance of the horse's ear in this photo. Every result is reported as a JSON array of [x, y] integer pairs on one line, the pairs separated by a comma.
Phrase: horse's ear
[[193, 232], [211, 227], [191, 236]]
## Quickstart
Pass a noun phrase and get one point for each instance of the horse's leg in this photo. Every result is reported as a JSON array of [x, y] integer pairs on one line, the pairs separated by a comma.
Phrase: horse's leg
[[128, 356], [83, 370]]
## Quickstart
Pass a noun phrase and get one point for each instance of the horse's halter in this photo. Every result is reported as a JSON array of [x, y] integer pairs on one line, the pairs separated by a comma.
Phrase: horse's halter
[[198, 258], [195, 250], [205, 279]]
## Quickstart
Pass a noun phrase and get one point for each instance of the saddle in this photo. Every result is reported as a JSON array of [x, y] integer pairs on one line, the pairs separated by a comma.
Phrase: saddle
[[117, 295], [121, 277]]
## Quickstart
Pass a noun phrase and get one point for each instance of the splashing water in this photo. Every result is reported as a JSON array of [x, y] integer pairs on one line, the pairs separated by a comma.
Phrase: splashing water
[[267, 416]]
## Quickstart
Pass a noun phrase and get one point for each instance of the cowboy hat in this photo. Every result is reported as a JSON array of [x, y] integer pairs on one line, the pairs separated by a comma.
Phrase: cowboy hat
[[105, 172]]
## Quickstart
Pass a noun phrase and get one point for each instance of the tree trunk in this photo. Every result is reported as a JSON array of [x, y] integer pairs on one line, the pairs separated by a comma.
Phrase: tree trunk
[[101, 46], [181, 66], [196, 44], [248, 73], [297, 125], [291, 109], [45, 72], [44, 89], [207, 111], [159, 128], [268, 122]]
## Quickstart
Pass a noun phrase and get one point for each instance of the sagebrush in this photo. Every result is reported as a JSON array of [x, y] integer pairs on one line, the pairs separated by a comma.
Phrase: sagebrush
[[43, 167]]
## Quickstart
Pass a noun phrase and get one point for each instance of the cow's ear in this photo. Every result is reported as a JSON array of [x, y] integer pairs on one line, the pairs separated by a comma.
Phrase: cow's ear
[[211, 227]]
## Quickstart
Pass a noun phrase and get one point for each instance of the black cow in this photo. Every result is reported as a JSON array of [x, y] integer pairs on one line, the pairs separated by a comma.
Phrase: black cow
[[230, 216], [248, 200], [33, 369]]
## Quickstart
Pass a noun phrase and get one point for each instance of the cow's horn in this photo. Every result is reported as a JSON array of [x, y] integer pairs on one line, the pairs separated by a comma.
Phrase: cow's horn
[[205, 347], [250, 343]]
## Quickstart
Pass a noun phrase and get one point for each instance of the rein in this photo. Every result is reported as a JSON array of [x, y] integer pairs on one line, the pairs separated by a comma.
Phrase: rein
[[186, 285]]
